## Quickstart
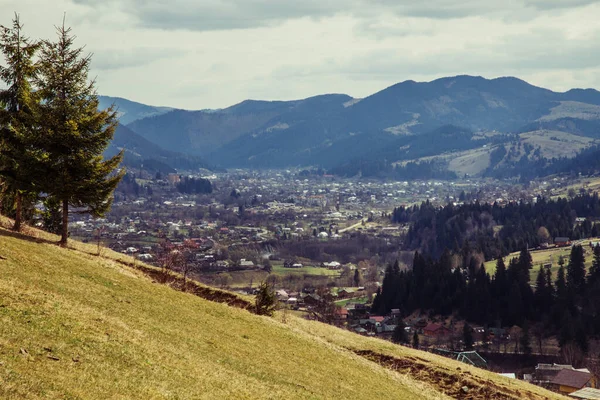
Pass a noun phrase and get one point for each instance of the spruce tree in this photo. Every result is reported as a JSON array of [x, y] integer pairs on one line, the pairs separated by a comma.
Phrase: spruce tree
[[399, 335], [594, 275], [542, 295], [525, 340], [576, 272], [467, 336], [76, 133], [415, 340], [18, 122]]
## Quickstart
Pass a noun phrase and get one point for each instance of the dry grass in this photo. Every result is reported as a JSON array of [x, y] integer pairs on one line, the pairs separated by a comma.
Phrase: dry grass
[[77, 326]]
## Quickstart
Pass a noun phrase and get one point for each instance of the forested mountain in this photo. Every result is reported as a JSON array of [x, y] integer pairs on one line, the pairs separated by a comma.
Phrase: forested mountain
[[140, 152], [404, 122], [273, 124]]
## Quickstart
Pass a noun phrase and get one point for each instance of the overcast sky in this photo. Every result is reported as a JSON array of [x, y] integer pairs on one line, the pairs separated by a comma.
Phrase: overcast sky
[[198, 54]]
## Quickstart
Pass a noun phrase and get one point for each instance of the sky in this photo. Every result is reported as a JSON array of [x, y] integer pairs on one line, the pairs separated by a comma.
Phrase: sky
[[198, 54]]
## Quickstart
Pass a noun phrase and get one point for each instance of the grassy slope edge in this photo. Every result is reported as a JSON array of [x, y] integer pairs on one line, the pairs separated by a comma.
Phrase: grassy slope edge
[[74, 325]]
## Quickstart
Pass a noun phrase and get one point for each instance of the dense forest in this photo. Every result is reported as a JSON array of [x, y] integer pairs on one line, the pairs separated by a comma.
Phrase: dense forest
[[190, 185], [568, 306], [495, 230]]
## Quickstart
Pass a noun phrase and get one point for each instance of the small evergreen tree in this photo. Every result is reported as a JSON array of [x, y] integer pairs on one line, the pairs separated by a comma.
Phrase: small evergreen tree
[[415, 340], [525, 340], [357, 278], [75, 132], [594, 275], [467, 337], [399, 335], [266, 300], [576, 271]]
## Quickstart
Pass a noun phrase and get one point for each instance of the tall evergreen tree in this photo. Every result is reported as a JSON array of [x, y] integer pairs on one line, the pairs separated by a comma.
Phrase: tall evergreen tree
[[18, 122], [561, 285], [576, 272], [525, 265], [75, 132], [594, 275], [525, 340], [468, 336]]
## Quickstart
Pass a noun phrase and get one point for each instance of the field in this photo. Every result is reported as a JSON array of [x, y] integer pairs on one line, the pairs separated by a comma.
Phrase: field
[[548, 256], [279, 269], [75, 325]]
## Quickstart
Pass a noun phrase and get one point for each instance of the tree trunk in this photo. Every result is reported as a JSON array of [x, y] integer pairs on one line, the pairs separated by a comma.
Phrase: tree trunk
[[65, 223], [19, 200]]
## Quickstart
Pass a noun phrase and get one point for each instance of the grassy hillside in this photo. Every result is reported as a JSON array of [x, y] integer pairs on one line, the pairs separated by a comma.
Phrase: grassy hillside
[[548, 256], [74, 325]]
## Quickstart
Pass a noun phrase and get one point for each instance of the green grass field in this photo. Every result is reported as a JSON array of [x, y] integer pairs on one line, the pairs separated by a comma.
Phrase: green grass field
[[74, 325], [357, 300], [279, 269], [549, 256]]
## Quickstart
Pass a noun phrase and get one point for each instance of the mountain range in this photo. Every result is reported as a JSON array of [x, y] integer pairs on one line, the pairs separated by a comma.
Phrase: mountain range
[[409, 121]]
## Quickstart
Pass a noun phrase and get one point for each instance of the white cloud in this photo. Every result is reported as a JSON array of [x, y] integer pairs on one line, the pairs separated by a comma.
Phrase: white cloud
[[209, 54]]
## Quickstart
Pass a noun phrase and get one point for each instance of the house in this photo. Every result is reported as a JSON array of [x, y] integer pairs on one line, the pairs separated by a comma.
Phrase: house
[[312, 299], [562, 241], [246, 263], [332, 265], [358, 311], [345, 293], [282, 295], [586, 393], [377, 319], [570, 380], [341, 315], [544, 373], [436, 330], [387, 330]]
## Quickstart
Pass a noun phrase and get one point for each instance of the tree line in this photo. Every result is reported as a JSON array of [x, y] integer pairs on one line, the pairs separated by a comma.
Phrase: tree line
[[52, 135], [496, 230], [191, 185], [566, 305]]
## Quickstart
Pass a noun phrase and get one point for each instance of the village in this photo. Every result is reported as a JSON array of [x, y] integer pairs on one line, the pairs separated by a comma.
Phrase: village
[[301, 233]]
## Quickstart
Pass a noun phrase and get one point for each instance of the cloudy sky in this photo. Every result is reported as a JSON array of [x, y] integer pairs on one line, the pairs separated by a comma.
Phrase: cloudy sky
[[213, 53]]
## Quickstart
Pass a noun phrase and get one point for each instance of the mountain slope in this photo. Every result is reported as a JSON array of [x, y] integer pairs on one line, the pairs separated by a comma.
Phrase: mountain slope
[[411, 108], [140, 151], [129, 111], [202, 132], [74, 325]]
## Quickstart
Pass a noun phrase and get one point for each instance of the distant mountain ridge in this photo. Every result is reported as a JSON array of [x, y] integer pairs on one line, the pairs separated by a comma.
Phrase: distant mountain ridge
[[331, 129], [129, 111]]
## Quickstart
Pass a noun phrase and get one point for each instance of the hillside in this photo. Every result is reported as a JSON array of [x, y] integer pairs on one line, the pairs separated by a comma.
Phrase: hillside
[[140, 151], [75, 325]]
